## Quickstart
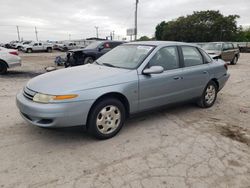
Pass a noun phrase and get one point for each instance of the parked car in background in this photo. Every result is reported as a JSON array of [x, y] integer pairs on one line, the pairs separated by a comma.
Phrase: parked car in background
[[90, 53], [19, 45], [68, 46], [131, 78], [244, 46], [37, 47], [223, 50], [8, 58]]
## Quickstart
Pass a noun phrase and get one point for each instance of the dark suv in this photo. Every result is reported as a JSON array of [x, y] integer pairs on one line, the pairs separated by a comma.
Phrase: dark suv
[[90, 53]]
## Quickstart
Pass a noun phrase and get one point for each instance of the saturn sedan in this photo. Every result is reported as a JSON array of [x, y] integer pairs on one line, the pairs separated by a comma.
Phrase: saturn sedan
[[131, 78]]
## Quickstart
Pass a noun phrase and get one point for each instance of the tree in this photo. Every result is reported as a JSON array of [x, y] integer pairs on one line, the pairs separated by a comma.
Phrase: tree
[[243, 35], [144, 38], [201, 26]]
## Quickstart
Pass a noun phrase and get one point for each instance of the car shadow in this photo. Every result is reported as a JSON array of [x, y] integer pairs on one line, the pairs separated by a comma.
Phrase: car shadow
[[79, 133], [20, 74]]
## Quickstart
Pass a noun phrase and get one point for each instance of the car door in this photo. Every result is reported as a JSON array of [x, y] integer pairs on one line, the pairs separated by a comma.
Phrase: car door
[[35, 47], [195, 72], [164, 88]]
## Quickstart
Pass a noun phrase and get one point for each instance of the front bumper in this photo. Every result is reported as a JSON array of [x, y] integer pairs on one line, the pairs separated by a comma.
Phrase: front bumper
[[65, 114]]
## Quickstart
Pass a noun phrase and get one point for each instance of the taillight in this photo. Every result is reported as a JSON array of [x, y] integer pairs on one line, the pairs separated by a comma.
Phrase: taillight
[[225, 65], [13, 53]]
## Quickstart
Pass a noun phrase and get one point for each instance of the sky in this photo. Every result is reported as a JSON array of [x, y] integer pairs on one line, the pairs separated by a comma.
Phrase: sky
[[76, 19]]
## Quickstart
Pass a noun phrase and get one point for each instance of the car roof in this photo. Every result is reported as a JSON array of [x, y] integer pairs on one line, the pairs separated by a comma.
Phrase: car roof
[[161, 43]]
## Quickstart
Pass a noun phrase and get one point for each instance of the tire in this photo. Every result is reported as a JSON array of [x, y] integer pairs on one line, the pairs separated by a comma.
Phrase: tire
[[49, 50], [19, 48], [209, 95], [29, 50], [3, 68], [234, 61], [106, 118], [88, 60]]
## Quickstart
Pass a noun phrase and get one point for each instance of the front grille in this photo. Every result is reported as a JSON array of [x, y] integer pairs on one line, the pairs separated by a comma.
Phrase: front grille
[[29, 94]]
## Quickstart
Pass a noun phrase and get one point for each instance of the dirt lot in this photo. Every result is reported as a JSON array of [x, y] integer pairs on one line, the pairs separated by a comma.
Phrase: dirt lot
[[183, 146]]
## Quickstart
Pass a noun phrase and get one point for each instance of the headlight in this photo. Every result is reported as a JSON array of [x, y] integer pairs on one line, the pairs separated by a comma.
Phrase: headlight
[[43, 98]]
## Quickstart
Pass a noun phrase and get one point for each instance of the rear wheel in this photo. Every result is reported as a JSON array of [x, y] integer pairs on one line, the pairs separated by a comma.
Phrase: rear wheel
[[234, 61], [3, 68], [29, 50], [106, 118], [209, 95], [49, 50], [88, 60]]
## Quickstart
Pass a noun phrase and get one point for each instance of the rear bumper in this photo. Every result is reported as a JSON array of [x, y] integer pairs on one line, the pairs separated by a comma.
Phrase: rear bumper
[[15, 63], [53, 115], [222, 81]]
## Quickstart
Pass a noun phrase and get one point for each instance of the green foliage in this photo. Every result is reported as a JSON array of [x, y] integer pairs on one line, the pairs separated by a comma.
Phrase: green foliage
[[243, 35], [201, 26], [144, 38]]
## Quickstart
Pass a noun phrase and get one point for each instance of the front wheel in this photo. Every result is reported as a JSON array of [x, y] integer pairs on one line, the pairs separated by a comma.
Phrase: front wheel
[[106, 118], [88, 60], [209, 95]]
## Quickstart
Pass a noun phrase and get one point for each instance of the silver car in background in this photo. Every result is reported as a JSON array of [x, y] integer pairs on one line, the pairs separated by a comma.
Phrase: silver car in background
[[131, 78]]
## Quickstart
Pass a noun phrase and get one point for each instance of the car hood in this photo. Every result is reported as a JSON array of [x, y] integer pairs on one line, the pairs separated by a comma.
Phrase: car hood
[[78, 78], [26, 45], [213, 52]]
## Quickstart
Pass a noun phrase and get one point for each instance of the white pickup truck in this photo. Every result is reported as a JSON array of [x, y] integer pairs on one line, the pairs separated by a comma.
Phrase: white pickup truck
[[37, 47]]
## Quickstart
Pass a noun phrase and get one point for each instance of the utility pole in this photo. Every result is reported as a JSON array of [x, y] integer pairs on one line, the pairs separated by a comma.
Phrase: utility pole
[[36, 34], [113, 33], [18, 34], [96, 31], [111, 37], [69, 36], [136, 7]]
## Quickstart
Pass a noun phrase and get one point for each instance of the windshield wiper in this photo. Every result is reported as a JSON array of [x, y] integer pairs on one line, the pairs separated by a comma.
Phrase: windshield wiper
[[109, 65], [97, 62]]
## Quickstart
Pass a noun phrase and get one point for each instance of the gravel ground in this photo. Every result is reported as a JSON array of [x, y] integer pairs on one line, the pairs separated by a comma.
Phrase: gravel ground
[[184, 146]]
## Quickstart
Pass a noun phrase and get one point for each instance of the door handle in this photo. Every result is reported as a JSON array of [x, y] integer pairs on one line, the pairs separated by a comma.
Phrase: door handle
[[178, 78], [204, 72]]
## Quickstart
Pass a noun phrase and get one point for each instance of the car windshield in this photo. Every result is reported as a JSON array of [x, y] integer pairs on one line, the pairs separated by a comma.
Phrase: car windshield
[[125, 56], [94, 45], [213, 46]]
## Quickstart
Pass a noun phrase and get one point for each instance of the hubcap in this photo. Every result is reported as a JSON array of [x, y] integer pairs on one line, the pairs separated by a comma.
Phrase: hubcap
[[210, 94], [108, 119]]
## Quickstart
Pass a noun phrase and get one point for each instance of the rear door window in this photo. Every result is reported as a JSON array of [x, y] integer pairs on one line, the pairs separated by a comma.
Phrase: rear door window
[[191, 56]]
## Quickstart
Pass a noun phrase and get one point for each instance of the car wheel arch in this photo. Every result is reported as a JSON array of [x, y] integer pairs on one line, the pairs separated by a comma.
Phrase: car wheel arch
[[115, 95], [215, 81], [4, 62]]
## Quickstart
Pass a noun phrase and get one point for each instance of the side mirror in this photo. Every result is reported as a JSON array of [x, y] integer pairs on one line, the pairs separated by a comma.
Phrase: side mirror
[[100, 48], [154, 70]]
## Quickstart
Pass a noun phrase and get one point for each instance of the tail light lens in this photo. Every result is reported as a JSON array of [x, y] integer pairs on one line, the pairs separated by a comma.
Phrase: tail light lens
[[13, 53], [226, 67]]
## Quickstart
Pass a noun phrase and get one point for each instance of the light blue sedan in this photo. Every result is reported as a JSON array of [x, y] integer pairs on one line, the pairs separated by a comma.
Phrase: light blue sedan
[[131, 78]]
